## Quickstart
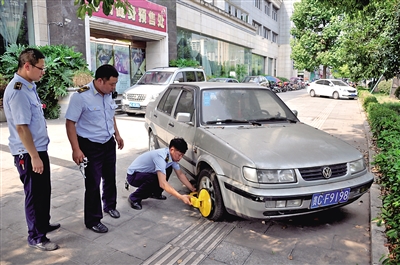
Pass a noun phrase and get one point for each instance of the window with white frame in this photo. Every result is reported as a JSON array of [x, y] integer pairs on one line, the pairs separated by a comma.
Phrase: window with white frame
[[274, 37], [274, 13], [267, 8], [257, 3], [244, 17], [267, 33], [258, 28]]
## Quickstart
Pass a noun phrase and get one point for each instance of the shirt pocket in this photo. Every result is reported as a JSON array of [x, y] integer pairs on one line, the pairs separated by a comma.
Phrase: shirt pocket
[[36, 110], [94, 114], [111, 110]]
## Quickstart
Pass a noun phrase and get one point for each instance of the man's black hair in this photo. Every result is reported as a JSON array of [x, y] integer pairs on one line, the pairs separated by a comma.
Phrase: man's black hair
[[29, 55], [179, 144], [105, 72]]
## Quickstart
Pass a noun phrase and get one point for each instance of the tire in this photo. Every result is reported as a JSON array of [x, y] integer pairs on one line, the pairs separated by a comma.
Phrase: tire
[[153, 143], [208, 180], [335, 95], [312, 93]]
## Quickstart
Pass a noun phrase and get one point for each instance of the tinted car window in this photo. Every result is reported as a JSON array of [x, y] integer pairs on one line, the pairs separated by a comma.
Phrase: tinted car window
[[320, 82], [200, 76], [190, 76], [167, 102]]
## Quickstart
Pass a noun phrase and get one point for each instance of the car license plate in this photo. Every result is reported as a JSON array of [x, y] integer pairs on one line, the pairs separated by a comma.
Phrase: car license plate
[[134, 105], [329, 198], [353, 95]]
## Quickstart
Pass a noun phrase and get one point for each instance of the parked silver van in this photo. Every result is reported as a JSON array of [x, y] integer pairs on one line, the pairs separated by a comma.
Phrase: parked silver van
[[153, 82]]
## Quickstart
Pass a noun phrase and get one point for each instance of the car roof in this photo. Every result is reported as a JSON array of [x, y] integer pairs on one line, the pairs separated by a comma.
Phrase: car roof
[[211, 85]]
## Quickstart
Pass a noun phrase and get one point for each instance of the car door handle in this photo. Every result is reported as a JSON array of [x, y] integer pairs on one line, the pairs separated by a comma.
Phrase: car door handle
[[155, 115], [171, 124]]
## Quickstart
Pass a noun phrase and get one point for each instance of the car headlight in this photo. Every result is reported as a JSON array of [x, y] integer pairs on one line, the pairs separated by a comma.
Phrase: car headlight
[[124, 96], [269, 176], [357, 166]]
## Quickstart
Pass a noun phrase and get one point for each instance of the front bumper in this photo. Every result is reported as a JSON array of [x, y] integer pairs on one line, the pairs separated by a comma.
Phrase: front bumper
[[141, 110], [252, 203]]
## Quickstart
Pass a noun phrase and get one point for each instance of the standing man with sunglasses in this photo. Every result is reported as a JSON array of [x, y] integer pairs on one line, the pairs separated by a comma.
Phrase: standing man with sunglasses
[[93, 134], [28, 144], [150, 172]]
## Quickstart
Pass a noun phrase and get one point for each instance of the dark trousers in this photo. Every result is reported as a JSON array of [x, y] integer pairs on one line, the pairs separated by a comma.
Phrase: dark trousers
[[146, 183], [101, 166], [37, 188]]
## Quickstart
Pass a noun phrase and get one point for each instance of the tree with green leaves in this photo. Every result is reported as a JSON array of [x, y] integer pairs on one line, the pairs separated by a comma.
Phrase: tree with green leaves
[[315, 36], [87, 7]]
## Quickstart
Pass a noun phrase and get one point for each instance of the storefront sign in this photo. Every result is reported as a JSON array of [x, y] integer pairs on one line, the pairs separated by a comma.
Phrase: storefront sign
[[144, 14]]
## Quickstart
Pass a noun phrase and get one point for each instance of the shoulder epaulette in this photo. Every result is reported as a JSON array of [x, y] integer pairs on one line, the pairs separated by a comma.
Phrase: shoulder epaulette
[[83, 89], [18, 85]]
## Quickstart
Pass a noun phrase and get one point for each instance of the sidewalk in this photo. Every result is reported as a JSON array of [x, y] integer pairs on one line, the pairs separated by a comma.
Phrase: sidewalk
[[170, 232]]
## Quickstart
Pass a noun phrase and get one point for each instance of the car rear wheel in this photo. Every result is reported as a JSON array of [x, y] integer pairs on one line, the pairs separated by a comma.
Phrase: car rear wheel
[[153, 143], [335, 95], [208, 181], [312, 93]]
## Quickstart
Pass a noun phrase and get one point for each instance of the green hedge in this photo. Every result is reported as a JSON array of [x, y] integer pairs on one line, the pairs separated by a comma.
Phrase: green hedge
[[385, 126]]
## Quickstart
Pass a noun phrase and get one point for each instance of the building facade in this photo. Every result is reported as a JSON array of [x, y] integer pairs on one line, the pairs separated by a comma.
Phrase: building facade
[[226, 37]]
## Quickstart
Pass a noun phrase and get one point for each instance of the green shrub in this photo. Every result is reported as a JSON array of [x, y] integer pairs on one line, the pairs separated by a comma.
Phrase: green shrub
[[368, 100], [183, 63], [385, 86], [61, 63]]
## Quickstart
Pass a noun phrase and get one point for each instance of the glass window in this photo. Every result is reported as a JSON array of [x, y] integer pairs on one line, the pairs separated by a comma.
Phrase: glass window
[[200, 76], [167, 102], [274, 37], [185, 104], [267, 6], [258, 28], [267, 33], [274, 13], [179, 77], [257, 3], [190, 76]]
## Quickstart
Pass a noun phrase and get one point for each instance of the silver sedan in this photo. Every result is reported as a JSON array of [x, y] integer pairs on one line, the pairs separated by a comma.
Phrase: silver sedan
[[250, 152]]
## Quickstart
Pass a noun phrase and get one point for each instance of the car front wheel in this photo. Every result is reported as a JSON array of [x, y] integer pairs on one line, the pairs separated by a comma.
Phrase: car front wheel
[[335, 95], [153, 144], [208, 181], [312, 93]]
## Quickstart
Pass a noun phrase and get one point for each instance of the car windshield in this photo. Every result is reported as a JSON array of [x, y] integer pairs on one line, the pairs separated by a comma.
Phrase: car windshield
[[339, 83], [155, 78], [251, 106]]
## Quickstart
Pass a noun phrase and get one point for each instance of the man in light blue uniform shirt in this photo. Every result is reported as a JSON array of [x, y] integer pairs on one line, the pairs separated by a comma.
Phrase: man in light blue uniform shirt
[[93, 133], [28, 144], [150, 171]]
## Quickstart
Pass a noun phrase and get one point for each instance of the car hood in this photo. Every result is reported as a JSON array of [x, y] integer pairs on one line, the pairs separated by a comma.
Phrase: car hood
[[279, 146], [146, 89]]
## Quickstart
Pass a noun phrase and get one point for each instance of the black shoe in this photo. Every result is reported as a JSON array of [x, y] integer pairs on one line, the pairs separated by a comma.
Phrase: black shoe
[[52, 227], [99, 228], [135, 205], [45, 246], [158, 197], [113, 213]]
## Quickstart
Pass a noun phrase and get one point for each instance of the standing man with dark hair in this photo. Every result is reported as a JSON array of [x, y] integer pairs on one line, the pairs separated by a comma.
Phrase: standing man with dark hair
[[28, 144], [150, 172], [93, 133]]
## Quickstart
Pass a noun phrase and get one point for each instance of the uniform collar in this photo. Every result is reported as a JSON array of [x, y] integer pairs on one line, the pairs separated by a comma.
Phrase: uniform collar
[[19, 78]]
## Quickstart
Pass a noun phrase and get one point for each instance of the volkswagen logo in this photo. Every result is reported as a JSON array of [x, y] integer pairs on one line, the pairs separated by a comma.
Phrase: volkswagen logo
[[327, 172]]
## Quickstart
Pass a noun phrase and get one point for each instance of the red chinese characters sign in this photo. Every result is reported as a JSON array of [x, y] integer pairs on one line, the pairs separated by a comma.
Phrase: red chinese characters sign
[[144, 14]]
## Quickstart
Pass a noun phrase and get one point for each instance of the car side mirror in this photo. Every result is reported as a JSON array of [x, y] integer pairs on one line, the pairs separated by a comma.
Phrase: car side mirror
[[114, 94], [183, 117], [295, 112]]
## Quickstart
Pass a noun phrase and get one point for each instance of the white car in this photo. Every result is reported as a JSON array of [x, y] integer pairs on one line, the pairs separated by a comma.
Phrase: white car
[[331, 88], [153, 82]]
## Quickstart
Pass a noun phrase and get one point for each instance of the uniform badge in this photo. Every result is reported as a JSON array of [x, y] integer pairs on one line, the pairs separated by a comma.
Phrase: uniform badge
[[83, 89], [167, 158], [18, 85]]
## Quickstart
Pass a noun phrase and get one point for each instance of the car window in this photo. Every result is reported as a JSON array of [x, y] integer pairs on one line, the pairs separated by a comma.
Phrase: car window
[[168, 100], [179, 77], [338, 83], [320, 82], [185, 104], [200, 76], [190, 76], [241, 105]]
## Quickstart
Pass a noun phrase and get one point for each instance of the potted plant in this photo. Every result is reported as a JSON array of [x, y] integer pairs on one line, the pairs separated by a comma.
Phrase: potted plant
[[3, 85]]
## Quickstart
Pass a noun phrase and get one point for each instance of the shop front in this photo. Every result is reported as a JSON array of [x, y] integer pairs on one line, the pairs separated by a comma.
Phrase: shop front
[[131, 42]]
